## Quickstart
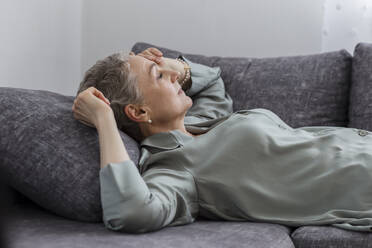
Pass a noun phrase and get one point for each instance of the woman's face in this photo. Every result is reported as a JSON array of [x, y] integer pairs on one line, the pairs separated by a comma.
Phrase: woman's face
[[160, 88]]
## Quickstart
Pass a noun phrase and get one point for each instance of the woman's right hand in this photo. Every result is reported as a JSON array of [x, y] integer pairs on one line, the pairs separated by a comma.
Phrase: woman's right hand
[[89, 105], [155, 55], [151, 53]]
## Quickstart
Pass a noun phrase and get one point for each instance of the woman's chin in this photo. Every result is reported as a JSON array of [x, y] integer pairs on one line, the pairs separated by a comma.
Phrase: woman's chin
[[191, 102]]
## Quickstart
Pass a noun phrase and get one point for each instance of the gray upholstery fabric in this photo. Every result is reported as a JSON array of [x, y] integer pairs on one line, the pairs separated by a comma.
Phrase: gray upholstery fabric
[[306, 90], [5, 207], [360, 109], [325, 237], [49, 156], [31, 227]]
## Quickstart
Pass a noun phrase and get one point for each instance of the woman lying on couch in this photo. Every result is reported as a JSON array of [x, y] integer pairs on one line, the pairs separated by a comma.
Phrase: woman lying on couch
[[198, 157]]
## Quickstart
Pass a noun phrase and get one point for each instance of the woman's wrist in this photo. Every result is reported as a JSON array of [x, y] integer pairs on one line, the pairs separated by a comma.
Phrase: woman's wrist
[[176, 65], [186, 80], [105, 118], [112, 148], [182, 67]]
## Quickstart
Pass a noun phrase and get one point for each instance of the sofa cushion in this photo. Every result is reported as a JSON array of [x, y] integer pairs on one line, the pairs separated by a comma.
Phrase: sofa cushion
[[49, 156], [32, 227], [360, 111], [305, 90], [327, 236]]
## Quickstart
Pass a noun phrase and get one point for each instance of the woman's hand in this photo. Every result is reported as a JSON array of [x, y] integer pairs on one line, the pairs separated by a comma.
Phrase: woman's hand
[[156, 55], [89, 105], [152, 54]]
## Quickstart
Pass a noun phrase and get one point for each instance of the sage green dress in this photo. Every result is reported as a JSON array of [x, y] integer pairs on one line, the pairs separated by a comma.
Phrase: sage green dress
[[246, 166]]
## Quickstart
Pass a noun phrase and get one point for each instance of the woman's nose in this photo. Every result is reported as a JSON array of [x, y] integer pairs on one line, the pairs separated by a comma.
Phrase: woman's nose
[[174, 75]]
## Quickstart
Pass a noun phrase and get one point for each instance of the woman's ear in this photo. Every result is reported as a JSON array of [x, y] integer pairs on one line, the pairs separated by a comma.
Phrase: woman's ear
[[134, 112]]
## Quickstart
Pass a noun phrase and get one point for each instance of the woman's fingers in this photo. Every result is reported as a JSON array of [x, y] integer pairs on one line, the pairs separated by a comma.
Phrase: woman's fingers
[[152, 54], [151, 57], [100, 95], [87, 123], [89, 104], [78, 116], [155, 51]]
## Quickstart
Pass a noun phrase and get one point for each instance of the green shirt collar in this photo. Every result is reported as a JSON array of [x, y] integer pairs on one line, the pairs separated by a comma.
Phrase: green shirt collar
[[167, 140]]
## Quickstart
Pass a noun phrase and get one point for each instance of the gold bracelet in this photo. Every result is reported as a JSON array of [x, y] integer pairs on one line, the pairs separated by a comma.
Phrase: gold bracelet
[[187, 72]]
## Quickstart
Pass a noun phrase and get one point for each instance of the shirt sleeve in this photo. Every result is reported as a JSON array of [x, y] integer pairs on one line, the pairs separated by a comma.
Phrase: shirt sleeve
[[133, 203], [210, 100]]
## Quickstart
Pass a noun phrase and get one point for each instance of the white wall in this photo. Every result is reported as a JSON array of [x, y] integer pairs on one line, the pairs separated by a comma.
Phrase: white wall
[[346, 23], [49, 44], [40, 44], [226, 27]]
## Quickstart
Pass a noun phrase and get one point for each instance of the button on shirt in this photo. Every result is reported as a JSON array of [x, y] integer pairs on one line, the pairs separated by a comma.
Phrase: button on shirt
[[247, 165], [362, 132]]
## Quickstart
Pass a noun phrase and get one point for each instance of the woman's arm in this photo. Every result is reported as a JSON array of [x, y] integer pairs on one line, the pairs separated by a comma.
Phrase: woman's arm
[[132, 202], [210, 99], [112, 149], [92, 108], [135, 203]]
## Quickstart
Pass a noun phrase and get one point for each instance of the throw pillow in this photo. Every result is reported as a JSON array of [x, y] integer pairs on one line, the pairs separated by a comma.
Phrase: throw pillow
[[49, 156]]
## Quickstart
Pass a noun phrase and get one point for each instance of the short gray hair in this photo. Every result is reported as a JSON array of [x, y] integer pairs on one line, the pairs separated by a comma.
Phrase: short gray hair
[[113, 77]]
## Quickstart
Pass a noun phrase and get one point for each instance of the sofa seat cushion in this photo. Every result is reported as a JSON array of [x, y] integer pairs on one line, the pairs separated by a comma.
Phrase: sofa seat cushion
[[360, 110], [49, 156], [304, 90], [327, 236], [30, 226]]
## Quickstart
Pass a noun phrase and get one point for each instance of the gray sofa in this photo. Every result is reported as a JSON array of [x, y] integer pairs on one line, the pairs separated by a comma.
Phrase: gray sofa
[[325, 89]]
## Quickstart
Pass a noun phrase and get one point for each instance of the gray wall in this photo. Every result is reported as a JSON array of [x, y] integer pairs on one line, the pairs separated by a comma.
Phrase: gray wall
[[40, 44], [258, 28], [346, 23]]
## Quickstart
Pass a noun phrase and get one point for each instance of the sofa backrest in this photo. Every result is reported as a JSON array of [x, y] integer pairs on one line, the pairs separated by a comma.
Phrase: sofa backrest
[[305, 90], [360, 110]]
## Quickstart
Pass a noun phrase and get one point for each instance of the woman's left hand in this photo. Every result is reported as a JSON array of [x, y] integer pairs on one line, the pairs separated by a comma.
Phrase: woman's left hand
[[90, 105]]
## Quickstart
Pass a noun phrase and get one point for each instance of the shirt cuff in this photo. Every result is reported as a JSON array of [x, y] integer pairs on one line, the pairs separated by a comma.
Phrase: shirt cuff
[[121, 185]]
